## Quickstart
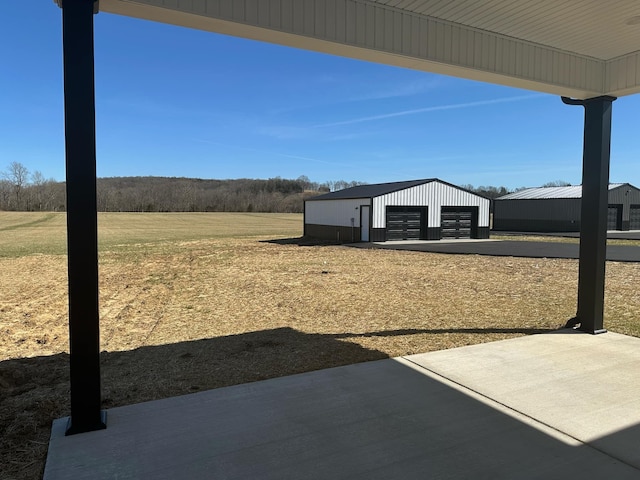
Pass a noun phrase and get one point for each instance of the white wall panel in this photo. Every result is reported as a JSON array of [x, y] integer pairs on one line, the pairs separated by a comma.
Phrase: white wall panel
[[334, 212], [433, 195]]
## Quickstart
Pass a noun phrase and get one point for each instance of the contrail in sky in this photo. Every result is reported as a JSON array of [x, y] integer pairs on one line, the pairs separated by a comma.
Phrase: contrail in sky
[[247, 149], [454, 106]]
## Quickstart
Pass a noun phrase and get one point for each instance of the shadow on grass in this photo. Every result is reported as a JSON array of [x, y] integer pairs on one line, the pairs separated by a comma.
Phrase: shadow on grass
[[301, 242], [35, 391]]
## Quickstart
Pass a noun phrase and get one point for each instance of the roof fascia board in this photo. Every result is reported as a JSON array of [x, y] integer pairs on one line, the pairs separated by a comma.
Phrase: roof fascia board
[[622, 75], [378, 33], [318, 198]]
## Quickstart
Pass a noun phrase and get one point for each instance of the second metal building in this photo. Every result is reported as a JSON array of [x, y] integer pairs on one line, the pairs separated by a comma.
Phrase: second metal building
[[427, 209], [557, 209]]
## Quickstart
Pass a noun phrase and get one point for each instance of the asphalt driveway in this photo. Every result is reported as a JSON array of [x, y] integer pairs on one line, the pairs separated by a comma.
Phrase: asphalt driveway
[[507, 248]]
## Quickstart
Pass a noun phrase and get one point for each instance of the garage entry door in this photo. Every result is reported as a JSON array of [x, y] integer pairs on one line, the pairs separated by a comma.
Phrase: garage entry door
[[406, 223], [458, 222], [614, 217], [634, 217]]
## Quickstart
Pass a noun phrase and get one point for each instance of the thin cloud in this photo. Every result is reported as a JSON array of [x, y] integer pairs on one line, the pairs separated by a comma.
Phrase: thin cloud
[[264, 152], [307, 159], [284, 132], [403, 90], [454, 106], [341, 87]]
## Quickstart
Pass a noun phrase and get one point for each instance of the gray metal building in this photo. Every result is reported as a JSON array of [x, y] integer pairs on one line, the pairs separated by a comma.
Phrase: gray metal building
[[427, 209], [557, 209]]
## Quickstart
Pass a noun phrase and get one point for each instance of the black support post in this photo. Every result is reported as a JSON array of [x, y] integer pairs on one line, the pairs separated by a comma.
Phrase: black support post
[[593, 214], [82, 217]]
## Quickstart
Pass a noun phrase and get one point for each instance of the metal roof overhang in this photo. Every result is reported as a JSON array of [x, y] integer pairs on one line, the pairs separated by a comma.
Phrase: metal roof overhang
[[573, 48]]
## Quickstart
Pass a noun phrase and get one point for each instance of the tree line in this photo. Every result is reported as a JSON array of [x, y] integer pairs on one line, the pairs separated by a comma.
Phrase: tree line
[[25, 191], [166, 194], [495, 192], [492, 192]]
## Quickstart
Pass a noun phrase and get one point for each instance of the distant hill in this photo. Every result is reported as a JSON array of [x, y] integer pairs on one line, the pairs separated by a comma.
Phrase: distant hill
[[24, 191], [170, 194]]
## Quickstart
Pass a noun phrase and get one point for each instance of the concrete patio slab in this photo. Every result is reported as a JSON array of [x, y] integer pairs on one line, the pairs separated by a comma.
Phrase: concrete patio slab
[[560, 405], [586, 386]]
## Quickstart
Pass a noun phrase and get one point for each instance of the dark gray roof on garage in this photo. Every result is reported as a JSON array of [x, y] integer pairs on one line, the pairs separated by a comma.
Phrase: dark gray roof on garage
[[377, 189], [572, 191]]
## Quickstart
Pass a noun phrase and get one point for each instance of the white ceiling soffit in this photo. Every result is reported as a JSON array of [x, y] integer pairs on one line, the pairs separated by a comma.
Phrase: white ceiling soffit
[[576, 48]]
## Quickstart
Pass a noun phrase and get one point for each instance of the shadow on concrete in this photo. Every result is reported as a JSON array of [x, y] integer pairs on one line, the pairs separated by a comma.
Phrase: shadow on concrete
[[374, 420], [621, 445]]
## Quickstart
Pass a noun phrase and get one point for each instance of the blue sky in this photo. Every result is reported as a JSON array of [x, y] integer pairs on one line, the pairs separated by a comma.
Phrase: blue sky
[[177, 102]]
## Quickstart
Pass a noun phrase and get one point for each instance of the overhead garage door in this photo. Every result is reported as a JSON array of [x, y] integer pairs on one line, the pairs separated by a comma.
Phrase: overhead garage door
[[406, 223], [614, 217], [457, 222], [634, 217]]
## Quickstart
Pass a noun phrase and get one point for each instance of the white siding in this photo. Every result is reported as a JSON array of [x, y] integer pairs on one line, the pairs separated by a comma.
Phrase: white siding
[[433, 195], [334, 212]]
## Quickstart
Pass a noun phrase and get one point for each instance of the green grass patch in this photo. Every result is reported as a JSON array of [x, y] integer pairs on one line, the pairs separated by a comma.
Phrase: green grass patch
[[33, 233], [30, 223], [30, 233], [555, 239], [619, 241], [535, 238]]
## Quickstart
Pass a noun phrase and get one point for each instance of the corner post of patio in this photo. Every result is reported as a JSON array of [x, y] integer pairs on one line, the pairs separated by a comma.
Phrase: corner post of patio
[[593, 213], [82, 217]]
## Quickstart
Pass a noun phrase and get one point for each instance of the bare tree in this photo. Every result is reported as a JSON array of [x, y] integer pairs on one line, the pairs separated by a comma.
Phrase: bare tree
[[5, 194], [18, 175], [38, 184]]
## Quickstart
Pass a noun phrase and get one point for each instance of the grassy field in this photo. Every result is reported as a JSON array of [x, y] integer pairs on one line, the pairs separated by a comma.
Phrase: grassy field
[[197, 301], [543, 238], [23, 234]]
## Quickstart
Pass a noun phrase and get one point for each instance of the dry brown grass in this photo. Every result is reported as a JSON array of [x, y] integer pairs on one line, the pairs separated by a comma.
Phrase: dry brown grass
[[182, 316]]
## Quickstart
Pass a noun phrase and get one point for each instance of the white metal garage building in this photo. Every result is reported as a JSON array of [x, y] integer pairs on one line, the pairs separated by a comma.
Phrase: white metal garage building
[[427, 209], [557, 209]]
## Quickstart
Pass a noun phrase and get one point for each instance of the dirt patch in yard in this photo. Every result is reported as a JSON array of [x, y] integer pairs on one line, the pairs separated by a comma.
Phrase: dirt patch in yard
[[187, 316]]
